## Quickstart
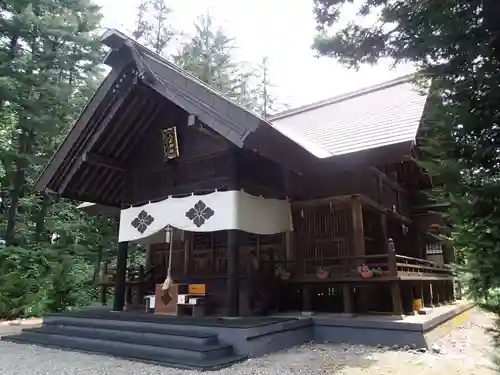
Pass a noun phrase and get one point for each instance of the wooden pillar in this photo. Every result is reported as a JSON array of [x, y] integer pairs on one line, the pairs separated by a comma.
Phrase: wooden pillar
[[347, 297], [397, 301], [306, 298], [358, 237], [121, 270], [149, 256], [233, 273], [188, 240], [383, 227], [435, 294], [452, 291], [391, 258], [427, 291], [141, 292], [420, 291], [380, 190]]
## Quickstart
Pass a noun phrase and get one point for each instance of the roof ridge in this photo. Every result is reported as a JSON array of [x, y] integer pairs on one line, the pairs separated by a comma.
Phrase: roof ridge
[[185, 73], [341, 97]]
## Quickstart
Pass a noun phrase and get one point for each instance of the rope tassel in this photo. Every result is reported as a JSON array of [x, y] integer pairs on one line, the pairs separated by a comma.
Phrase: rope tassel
[[168, 280]]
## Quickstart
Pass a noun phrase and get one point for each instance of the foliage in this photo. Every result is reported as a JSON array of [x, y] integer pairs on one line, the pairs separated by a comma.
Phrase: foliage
[[49, 58], [151, 27], [208, 55], [454, 43], [38, 280]]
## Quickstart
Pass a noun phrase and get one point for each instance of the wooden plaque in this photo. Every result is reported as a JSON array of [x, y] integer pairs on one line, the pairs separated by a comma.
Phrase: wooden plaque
[[166, 303], [170, 143]]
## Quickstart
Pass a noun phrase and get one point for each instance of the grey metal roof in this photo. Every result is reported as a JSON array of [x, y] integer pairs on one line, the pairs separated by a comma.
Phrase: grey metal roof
[[382, 115]]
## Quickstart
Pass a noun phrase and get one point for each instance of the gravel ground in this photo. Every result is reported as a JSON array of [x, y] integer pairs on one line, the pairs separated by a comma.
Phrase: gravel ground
[[466, 350]]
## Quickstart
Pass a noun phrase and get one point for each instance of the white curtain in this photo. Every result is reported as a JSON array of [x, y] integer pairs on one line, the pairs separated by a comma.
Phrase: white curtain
[[221, 210]]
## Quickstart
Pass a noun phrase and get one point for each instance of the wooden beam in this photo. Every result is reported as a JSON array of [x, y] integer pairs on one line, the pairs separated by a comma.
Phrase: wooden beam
[[323, 201], [370, 202], [79, 127], [386, 179], [89, 143], [102, 161]]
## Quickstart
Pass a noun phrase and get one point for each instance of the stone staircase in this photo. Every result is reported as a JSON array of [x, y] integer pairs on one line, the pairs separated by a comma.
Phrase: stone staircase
[[156, 343]]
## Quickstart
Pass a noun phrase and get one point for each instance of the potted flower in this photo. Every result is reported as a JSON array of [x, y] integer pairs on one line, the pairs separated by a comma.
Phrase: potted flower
[[365, 271], [377, 271], [322, 272], [283, 273]]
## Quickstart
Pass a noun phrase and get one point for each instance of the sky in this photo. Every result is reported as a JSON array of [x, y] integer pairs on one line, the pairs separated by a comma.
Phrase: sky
[[274, 28]]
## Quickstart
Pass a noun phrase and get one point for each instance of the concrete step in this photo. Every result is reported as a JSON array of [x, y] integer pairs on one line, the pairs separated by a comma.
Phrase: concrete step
[[177, 345], [185, 337], [179, 358], [131, 324]]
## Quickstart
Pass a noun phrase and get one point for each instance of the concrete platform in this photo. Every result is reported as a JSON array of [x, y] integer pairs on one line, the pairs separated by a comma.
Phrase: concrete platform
[[388, 330], [212, 343]]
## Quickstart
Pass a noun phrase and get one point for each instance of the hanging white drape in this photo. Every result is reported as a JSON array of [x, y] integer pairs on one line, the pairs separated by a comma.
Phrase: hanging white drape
[[221, 210]]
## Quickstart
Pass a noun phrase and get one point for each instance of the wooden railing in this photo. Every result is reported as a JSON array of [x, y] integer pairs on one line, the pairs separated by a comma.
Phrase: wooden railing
[[390, 265], [339, 267], [408, 266], [132, 274]]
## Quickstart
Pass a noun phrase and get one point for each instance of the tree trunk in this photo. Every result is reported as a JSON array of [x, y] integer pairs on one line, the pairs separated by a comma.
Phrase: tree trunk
[[16, 192], [40, 218]]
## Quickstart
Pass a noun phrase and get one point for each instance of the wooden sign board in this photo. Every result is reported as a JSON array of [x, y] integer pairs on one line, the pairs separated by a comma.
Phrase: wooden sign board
[[170, 143], [166, 303], [196, 289]]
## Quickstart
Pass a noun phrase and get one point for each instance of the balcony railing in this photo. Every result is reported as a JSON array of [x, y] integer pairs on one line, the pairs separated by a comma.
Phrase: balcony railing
[[390, 265]]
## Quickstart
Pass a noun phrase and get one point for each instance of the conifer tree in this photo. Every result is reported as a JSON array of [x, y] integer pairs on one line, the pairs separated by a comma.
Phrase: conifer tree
[[152, 27]]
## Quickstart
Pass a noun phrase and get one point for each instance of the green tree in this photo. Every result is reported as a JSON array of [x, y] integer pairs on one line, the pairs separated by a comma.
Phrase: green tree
[[266, 101], [208, 56], [49, 58], [151, 27], [454, 43]]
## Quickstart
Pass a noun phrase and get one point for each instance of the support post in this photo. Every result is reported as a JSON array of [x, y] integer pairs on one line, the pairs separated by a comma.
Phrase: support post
[[187, 252], [149, 256], [306, 298], [391, 258], [428, 301], [358, 237], [383, 227], [347, 297], [233, 273], [103, 279], [397, 301], [435, 294], [121, 270]]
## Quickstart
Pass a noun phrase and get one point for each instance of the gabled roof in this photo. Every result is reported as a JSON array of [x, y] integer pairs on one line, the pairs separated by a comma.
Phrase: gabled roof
[[133, 95], [378, 116]]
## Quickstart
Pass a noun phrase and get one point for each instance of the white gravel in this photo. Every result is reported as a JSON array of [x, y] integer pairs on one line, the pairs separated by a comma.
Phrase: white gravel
[[466, 350]]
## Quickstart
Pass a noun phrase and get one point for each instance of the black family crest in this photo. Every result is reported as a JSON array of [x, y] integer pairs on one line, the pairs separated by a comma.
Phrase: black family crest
[[142, 221], [200, 213]]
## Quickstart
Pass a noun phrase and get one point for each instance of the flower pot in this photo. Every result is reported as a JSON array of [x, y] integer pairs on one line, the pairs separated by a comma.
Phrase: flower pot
[[285, 277], [366, 275], [323, 275]]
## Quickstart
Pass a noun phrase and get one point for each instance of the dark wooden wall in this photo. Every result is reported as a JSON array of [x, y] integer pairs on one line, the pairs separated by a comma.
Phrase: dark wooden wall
[[207, 161], [202, 257], [370, 182]]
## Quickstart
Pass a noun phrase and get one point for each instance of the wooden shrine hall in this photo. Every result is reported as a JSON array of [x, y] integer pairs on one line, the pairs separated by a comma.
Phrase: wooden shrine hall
[[320, 208]]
